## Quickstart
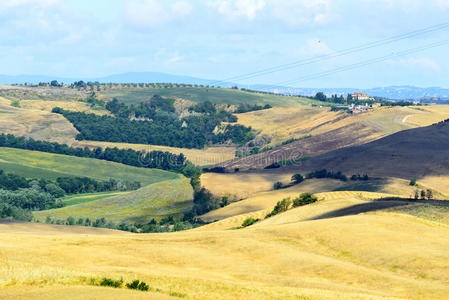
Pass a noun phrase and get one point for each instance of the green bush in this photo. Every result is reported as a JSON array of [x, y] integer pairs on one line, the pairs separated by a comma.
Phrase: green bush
[[297, 178], [281, 206], [111, 282], [138, 285], [304, 199], [249, 222], [413, 182], [278, 185]]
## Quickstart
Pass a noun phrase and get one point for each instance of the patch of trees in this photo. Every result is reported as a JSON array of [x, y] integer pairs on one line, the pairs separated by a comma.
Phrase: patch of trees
[[64, 185], [158, 127], [166, 224], [154, 159], [284, 204], [19, 204], [327, 174], [244, 108], [248, 222], [423, 194]]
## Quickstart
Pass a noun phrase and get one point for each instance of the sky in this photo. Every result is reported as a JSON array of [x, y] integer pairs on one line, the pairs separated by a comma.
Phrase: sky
[[221, 39]]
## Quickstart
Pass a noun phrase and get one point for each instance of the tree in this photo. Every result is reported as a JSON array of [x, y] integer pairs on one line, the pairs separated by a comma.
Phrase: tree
[[320, 96], [429, 194], [304, 199], [413, 182], [423, 194], [278, 185], [297, 178], [416, 194]]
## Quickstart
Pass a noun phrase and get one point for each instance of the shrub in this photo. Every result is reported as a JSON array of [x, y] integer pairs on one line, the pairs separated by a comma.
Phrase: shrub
[[304, 199], [138, 285], [297, 178], [413, 182], [249, 222], [281, 206], [111, 282], [278, 185]]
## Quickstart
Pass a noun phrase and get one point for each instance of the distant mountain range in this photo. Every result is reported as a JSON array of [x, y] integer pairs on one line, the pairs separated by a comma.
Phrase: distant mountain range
[[391, 92]]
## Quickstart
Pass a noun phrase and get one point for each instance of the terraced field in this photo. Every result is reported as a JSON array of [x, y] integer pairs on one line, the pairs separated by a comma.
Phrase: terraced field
[[170, 197]]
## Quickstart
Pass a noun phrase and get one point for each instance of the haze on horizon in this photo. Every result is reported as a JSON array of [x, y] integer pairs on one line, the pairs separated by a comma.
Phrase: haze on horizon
[[218, 39]]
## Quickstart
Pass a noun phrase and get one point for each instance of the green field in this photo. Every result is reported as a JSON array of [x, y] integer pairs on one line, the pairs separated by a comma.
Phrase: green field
[[215, 95], [89, 197], [34, 164], [172, 197]]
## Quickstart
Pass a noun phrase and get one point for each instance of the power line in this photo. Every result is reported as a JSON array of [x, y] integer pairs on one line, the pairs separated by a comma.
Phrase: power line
[[365, 63], [344, 52]]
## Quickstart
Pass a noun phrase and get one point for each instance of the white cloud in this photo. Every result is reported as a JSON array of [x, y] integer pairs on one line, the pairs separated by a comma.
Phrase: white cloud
[[153, 14], [302, 12], [420, 63], [239, 8]]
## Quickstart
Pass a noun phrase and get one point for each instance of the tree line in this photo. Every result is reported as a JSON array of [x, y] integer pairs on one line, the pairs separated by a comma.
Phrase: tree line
[[154, 159]]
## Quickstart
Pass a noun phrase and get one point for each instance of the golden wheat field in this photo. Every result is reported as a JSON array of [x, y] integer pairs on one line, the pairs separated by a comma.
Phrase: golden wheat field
[[373, 255], [286, 122]]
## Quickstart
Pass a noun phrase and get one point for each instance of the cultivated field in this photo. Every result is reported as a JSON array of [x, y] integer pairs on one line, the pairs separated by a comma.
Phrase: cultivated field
[[36, 124], [207, 156], [373, 255], [170, 197], [88, 197], [34, 164], [198, 94]]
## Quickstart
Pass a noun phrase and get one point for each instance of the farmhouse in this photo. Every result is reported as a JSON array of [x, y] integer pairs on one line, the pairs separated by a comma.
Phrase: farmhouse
[[360, 96]]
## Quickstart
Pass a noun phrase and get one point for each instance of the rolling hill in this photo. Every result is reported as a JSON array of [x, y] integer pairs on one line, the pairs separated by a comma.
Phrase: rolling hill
[[201, 94], [386, 254], [157, 200], [327, 131]]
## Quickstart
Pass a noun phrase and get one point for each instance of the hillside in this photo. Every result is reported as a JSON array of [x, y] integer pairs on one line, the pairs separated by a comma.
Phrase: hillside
[[320, 130], [202, 94], [374, 255], [169, 197], [419, 153], [34, 164]]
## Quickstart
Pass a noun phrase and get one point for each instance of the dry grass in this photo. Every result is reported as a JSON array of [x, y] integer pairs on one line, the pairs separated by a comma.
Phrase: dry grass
[[366, 256], [207, 156], [429, 115], [47, 105], [36, 124]]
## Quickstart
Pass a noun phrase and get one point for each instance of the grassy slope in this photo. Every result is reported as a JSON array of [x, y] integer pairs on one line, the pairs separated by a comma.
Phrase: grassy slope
[[46, 165], [218, 96], [172, 197], [367, 256], [89, 197]]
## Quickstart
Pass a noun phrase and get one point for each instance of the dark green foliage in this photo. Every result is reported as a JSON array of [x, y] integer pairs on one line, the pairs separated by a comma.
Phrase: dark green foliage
[[29, 199], [278, 185], [154, 159], [356, 177], [111, 282], [304, 199], [224, 201], [158, 124], [137, 285], [243, 108], [325, 174], [280, 207], [249, 222], [275, 165], [413, 182], [215, 170], [297, 178], [14, 212]]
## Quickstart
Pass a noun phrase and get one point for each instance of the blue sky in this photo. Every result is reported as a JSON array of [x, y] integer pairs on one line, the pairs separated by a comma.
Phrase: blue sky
[[217, 39]]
